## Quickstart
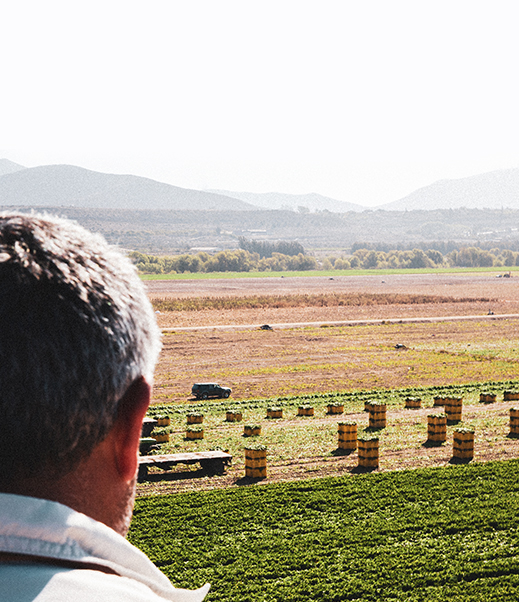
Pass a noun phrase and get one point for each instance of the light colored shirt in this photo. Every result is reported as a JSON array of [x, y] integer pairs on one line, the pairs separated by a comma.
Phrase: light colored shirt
[[37, 527]]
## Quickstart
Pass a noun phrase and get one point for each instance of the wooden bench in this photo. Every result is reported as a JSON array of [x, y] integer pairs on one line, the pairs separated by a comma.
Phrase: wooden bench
[[213, 462]]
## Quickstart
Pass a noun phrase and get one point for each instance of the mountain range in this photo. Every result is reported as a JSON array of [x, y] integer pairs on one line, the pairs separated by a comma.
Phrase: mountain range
[[69, 185], [491, 190]]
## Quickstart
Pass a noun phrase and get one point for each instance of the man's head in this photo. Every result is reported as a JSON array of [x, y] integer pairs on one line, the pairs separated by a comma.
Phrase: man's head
[[76, 330]]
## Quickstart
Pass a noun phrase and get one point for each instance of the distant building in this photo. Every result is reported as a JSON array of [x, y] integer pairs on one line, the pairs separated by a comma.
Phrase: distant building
[[204, 249]]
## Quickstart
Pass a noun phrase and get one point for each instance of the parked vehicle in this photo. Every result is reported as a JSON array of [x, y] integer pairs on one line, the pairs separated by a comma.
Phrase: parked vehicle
[[206, 390]]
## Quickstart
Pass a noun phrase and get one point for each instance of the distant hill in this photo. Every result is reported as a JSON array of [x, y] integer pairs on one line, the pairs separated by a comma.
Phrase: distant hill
[[68, 185], [279, 200], [491, 190], [7, 166]]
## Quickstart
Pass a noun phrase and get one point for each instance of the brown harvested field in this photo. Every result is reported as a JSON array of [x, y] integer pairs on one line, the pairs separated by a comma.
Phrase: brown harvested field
[[503, 292], [227, 346], [309, 359]]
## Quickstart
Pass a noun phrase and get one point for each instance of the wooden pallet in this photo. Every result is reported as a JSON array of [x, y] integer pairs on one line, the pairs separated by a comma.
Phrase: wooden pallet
[[213, 462], [148, 424]]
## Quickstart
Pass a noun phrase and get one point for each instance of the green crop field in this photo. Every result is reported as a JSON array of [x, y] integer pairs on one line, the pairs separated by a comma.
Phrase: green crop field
[[431, 534]]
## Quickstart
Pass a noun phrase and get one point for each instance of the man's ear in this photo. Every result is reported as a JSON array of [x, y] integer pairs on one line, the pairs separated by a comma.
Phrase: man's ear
[[128, 426]]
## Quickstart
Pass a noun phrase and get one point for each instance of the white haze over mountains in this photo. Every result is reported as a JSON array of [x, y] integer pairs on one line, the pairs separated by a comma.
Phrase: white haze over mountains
[[279, 200], [68, 185]]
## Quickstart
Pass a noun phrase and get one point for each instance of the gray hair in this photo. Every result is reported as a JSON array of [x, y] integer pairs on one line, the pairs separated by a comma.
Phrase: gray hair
[[76, 329]]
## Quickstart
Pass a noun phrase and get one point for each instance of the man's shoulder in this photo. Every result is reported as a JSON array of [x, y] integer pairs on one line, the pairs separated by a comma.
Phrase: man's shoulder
[[44, 583], [49, 552]]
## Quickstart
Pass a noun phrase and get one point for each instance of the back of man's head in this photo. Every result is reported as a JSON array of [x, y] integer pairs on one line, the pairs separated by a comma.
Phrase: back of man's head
[[76, 329]]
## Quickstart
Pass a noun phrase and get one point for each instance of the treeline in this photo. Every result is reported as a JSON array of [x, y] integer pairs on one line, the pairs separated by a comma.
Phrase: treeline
[[418, 258], [237, 260], [240, 260], [265, 248]]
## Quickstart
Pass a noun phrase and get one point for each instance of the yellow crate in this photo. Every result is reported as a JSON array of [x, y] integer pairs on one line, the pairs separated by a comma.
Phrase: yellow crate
[[191, 419], [347, 444], [256, 473], [347, 429], [251, 432], [274, 413], [233, 416], [194, 434], [348, 437], [255, 453], [255, 462], [461, 454], [413, 403]]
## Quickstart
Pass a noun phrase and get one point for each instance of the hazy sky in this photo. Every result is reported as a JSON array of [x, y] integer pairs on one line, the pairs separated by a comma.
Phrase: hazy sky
[[362, 100]]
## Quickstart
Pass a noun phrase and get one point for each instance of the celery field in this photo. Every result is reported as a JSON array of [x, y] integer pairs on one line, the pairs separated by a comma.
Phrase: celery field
[[429, 534]]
